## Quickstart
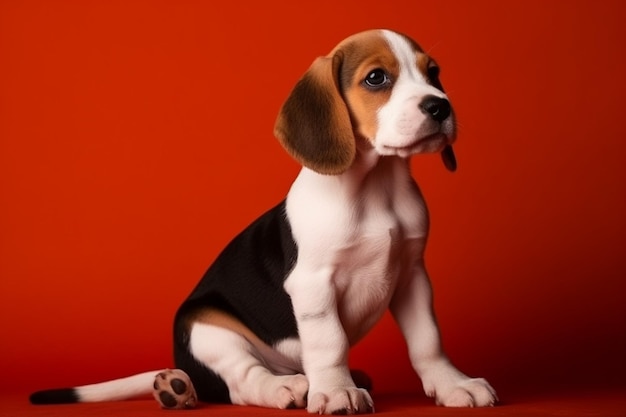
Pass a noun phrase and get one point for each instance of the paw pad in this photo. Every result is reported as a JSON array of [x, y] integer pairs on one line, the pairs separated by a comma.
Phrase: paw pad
[[173, 390]]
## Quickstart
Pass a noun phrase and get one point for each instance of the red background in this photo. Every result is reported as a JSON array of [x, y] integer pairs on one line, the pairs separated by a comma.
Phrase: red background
[[136, 141]]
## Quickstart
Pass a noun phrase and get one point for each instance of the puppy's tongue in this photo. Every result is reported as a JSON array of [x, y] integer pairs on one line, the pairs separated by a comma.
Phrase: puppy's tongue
[[449, 160]]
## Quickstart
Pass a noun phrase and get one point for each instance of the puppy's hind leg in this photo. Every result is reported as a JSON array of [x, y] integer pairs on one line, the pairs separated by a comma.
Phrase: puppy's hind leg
[[242, 367]]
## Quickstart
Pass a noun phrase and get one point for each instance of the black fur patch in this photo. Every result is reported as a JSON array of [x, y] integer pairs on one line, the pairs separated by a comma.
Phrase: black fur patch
[[55, 396], [246, 281]]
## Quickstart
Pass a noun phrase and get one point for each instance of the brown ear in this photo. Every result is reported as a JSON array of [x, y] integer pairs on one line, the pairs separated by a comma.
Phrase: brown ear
[[449, 160], [314, 124]]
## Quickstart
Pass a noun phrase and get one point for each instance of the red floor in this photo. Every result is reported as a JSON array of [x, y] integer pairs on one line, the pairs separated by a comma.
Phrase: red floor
[[579, 403]]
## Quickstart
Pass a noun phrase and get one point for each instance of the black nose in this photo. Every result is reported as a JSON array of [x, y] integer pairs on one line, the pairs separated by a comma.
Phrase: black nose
[[436, 107]]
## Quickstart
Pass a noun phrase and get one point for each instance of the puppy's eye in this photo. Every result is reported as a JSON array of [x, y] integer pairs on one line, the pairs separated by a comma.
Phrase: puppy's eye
[[433, 72], [376, 79], [433, 76]]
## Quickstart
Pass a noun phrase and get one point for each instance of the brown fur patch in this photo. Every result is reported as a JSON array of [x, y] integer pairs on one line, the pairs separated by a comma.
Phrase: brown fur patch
[[220, 318]]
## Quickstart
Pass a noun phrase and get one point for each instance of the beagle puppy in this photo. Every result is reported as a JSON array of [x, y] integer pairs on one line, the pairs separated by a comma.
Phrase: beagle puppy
[[271, 322]]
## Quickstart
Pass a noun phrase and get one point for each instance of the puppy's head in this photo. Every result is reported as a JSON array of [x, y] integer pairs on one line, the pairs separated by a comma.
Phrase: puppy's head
[[378, 86]]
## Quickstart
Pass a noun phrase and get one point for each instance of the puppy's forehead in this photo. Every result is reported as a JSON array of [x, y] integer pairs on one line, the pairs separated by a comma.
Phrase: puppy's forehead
[[384, 48], [408, 52]]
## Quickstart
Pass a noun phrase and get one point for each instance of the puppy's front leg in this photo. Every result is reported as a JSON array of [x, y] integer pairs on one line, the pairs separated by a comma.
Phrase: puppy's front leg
[[412, 308], [324, 346]]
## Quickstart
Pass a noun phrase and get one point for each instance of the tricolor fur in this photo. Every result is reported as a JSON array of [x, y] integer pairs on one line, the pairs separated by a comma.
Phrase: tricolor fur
[[271, 322]]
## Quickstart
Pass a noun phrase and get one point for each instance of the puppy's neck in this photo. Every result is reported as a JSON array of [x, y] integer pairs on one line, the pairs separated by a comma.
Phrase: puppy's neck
[[366, 159], [369, 163], [368, 169]]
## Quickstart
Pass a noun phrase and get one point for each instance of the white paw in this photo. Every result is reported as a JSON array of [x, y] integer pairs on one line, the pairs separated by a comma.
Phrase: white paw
[[451, 388], [341, 401], [290, 391], [471, 392]]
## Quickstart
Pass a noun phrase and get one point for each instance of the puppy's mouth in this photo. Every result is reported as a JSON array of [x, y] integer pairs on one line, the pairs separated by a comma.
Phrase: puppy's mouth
[[428, 144]]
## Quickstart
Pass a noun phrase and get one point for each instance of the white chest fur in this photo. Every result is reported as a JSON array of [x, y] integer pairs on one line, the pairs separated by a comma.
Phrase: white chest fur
[[357, 234]]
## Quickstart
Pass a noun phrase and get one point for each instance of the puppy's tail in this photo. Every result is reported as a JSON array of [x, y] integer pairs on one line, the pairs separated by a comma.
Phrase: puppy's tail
[[115, 390]]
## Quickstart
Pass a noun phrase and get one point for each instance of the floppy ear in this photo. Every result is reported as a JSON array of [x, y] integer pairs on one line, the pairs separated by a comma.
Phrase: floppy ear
[[314, 124], [449, 160]]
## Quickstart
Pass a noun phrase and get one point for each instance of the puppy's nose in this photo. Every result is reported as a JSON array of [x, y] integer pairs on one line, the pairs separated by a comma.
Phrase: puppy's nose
[[436, 107]]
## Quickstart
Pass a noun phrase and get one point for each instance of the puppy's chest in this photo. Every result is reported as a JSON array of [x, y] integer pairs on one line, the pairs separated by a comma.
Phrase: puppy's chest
[[366, 247], [361, 243], [376, 255]]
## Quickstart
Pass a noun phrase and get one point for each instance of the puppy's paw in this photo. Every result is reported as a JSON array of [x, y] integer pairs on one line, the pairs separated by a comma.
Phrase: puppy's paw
[[341, 401], [292, 391], [173, 390], [452, 388], [470, 392]]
